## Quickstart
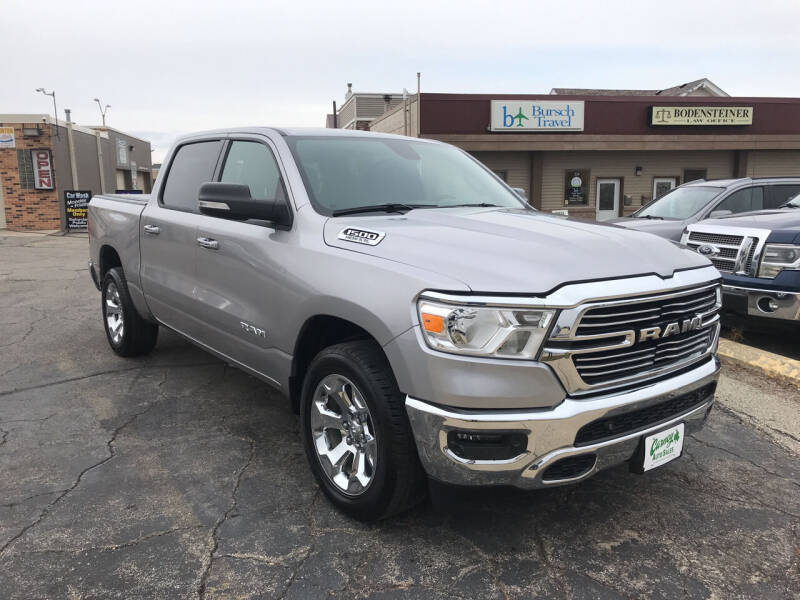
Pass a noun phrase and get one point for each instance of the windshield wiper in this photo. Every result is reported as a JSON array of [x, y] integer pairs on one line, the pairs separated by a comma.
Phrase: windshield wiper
[[476, 204], [650, 217], [389, 208]]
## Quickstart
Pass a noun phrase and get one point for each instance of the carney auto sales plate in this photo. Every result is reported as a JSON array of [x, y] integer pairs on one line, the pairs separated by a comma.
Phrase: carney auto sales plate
[[662, 447]]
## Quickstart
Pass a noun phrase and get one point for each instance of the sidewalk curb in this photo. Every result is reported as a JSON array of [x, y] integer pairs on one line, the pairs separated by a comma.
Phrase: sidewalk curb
[[767, 363]]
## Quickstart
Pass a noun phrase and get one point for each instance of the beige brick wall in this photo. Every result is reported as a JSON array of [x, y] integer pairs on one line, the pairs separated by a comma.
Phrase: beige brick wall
[[27, 208], [773, 163], [719, 165]]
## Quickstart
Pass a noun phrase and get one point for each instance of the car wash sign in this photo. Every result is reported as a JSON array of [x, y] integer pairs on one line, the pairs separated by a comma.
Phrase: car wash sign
[[536, 115], [42, 169]]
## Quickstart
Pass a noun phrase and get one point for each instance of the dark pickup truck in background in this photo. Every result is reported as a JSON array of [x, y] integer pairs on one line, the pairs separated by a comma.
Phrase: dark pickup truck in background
[[758, 254]]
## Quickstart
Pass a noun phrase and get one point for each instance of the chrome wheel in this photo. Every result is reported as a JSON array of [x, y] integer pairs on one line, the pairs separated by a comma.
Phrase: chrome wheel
[[343, 434], [115, 321]]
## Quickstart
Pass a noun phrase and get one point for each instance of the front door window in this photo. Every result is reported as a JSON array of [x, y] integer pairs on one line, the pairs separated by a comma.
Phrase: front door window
[[607, 201], [662, 185]]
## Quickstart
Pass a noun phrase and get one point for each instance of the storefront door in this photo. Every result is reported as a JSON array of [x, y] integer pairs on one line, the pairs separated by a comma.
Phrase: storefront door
[[607, 201]]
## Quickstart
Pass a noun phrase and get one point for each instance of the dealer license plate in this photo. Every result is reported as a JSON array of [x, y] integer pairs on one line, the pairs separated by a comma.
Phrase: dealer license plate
[[662, 447]]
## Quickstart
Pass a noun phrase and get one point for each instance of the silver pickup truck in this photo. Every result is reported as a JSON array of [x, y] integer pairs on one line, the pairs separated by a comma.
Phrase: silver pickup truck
[[419, 316]]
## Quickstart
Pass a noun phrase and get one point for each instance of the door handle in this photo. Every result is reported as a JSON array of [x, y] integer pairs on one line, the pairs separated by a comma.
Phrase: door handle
[[151, 229], [208, 243]]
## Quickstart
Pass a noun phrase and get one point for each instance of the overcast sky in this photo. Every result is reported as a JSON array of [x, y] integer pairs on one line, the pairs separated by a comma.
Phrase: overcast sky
[[171, 67]]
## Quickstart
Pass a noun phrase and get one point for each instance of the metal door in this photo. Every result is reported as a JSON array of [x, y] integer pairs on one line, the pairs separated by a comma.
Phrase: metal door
[[607, 201]]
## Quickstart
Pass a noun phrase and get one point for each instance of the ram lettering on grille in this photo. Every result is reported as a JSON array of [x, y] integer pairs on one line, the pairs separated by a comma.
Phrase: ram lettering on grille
[[617, 343]]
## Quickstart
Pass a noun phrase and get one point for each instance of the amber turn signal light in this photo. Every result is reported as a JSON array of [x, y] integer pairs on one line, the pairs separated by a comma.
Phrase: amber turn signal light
[[432, 323]]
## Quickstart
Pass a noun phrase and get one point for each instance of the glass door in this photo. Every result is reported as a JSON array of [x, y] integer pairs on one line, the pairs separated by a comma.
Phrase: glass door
[[607, 201]]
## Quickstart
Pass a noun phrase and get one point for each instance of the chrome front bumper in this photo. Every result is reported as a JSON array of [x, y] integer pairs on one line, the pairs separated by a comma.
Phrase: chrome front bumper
[[550, 432], [767, 303]]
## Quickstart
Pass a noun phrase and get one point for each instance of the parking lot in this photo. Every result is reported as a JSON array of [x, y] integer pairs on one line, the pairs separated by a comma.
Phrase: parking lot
[[175, 476]]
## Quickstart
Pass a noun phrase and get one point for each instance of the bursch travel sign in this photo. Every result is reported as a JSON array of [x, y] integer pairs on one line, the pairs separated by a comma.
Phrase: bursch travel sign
[[536, 115]]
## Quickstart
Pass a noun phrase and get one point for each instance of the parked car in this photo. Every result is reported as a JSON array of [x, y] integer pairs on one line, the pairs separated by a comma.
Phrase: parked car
[[692, 202], [758, 254], [418, 314]]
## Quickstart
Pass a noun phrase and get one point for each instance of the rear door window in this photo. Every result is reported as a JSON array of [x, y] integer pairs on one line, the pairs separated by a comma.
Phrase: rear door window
[[192, 166], [778, 195], [745, 200]]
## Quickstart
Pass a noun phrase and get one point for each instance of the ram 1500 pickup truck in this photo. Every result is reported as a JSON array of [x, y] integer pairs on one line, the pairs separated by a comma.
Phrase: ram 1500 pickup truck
[[758, 254], [419, 315]]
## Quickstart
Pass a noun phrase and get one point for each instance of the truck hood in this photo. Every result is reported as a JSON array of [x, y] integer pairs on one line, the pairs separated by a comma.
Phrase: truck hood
[[779, 218], [513, 251], [670, 229]]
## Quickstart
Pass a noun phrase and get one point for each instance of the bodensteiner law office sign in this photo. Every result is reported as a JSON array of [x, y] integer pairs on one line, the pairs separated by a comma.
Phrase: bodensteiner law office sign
[[536, 115], [701, 115]]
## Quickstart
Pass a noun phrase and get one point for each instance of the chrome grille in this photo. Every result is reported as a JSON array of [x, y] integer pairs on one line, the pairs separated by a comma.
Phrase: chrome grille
[[715, 238], [725, 266], [748, 263], [619, 342], [646, 314], [600, 367], [729, 248]]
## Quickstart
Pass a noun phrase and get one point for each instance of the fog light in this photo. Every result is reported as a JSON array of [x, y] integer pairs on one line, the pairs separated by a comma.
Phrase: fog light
[[767, 305], [481, 445]]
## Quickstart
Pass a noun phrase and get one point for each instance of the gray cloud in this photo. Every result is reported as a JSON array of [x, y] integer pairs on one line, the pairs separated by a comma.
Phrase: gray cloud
[[177, 66]]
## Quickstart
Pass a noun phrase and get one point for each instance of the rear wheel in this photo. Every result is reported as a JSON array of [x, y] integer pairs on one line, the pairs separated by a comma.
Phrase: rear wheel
[[356, 433], [127, 332]]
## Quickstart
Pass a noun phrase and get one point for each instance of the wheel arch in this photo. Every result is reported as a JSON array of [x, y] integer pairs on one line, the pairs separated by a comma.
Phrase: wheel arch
[[317, 333], [109, 258]]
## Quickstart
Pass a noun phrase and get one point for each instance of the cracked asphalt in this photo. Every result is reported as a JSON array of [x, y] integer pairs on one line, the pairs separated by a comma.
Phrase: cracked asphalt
[[174, 476]]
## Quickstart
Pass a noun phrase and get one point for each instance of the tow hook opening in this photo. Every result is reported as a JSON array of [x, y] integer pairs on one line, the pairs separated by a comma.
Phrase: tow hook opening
[[570, 467], [482, 445]]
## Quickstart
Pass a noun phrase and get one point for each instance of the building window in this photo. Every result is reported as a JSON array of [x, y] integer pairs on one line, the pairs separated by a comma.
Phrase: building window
[[663, 185], [501, 174], [25, 168], [576, 187], [694, 174]]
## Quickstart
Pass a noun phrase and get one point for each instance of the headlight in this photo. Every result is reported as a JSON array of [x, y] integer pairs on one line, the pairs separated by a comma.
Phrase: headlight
[[778, 257], [484, 331]]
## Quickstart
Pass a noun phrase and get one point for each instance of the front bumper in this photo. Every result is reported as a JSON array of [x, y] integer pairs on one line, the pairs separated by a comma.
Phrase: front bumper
[[756, 302], [551, 433]]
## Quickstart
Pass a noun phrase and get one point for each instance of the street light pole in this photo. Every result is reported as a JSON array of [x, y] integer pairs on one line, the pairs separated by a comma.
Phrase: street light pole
[[55, 108], [103, 111]]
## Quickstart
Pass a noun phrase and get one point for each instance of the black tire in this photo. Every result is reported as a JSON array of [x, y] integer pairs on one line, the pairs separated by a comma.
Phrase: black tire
[[398, 480], [137, 336]]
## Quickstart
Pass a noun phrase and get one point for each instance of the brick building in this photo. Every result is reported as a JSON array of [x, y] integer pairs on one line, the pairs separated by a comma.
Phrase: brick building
[[40, 160]]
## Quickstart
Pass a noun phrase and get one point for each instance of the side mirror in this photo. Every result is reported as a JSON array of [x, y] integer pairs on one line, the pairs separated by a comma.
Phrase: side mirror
[[233, 201], [520, 192], [715, 214]]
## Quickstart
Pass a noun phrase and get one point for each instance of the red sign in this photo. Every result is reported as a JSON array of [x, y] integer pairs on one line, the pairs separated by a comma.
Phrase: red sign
[[42, 170]]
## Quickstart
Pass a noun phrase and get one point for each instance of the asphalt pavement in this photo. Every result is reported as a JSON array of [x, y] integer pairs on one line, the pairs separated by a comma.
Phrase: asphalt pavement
[[175, 476]]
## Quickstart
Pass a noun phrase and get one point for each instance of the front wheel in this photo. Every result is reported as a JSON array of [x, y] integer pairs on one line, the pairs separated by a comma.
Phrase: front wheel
[[127, 332], [356, 433]]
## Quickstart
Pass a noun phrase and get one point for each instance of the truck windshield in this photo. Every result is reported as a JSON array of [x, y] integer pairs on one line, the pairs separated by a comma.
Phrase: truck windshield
[[343, 174], [680, 203]]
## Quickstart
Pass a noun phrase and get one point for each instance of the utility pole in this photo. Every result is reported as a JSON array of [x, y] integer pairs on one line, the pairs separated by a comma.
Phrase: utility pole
[[55, 108], [103, 110], [419, 104]]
